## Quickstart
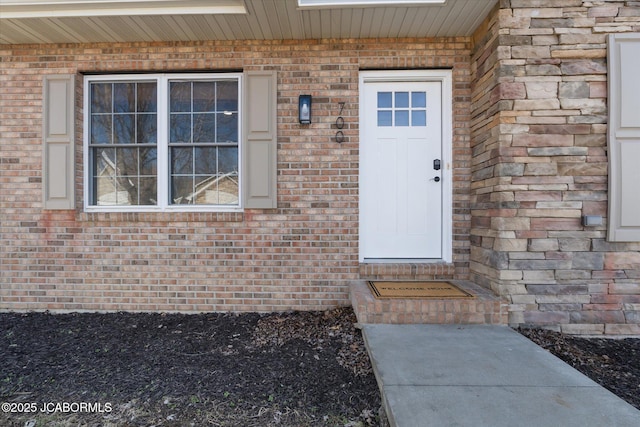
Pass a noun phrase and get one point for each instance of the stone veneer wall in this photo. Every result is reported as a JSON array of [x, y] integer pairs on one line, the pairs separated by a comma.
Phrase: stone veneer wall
[[539, 124], [301, 255]]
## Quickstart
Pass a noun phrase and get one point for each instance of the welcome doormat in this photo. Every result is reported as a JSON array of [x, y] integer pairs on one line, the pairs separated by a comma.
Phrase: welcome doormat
[[436, 290]]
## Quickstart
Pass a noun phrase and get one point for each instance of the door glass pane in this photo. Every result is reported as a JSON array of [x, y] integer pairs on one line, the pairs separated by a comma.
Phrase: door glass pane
[[384, 100], [402, 100], [402, 117], [385, 118], [418, 99], [418, 118]]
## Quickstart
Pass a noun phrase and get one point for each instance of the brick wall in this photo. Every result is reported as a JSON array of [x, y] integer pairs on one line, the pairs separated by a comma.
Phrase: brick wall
[[299, 256], [540, 163]]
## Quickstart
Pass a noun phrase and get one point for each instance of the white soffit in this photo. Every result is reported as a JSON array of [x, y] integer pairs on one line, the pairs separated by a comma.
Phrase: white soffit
[[364, 3], [77, 8], [110, 21]]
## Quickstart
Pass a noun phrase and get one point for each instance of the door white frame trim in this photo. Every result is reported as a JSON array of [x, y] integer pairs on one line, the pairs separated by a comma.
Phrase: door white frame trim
[[445, 77]]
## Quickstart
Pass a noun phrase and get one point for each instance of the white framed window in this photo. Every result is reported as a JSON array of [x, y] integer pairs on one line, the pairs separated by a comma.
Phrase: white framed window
[[156, 142]]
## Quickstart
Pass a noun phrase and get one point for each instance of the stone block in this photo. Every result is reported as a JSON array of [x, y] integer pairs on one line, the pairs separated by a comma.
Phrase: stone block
[[510, 275], [509, 91], [539, 277], [543, 70], [573, 274], [603, 11], [562, 129], [582, 329], [574, 245], [622, 260], [606, 316], [588, 260], [587, 106], [574, 90], [558, 205], [510, 245], [545, 3], [510, 223], [582, 169], [624, 288], [582, 38], [581, 67], [545, 317], [528, 52], [541, 90], [509, 169], [556, 289], [542, 245], [622, 329], [539, 264], [579, 53], [592, 140], [536, 104], [551, 23], [541, 169], [558, 151], [541, 140]]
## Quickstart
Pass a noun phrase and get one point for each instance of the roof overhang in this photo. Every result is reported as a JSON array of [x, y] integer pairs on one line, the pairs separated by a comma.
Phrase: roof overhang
[[77, 21], [15, 9]]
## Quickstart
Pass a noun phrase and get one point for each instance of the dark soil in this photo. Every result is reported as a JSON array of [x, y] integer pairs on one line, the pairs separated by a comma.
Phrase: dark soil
[[612, 363], [291, 369], [281, 369]]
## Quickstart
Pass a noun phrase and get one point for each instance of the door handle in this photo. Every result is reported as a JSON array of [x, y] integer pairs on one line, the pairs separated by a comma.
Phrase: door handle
[[436, 179]]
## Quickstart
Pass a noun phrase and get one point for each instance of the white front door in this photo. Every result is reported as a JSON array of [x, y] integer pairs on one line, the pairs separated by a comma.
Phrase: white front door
[[402, 169]]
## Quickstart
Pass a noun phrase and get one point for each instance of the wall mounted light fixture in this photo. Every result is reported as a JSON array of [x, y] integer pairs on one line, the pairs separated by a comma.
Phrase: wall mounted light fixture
[[304, 109]]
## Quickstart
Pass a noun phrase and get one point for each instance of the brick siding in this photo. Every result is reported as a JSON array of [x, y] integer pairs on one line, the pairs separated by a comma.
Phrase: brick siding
[[300, 256]]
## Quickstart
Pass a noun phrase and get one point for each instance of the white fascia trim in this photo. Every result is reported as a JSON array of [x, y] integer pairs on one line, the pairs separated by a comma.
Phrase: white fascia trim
[[78, 8]]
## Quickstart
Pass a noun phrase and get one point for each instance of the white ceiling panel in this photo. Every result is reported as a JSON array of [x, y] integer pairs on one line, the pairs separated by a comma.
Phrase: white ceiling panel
[[262, 20]]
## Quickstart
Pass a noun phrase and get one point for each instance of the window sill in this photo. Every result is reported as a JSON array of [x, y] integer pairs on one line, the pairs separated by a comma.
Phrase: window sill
[[161, 216]]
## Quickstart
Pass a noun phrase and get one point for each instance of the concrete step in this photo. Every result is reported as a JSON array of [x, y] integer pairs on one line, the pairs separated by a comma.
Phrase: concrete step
[[485, 309]]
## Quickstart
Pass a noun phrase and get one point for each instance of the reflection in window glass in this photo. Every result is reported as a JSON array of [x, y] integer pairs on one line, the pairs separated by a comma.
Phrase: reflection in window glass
[[122, 143], [210, 120], [201, 145]]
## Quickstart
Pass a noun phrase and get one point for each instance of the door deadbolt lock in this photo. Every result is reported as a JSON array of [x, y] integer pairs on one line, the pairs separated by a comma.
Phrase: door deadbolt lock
[[436, 164]]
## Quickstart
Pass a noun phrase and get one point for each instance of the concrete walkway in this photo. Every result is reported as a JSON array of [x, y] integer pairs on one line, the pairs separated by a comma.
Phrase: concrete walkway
[[483, 375]]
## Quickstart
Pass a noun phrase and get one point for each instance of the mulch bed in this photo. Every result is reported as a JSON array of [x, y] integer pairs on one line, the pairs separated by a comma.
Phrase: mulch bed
[[280, 369], [297, 369], [612, 363]]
